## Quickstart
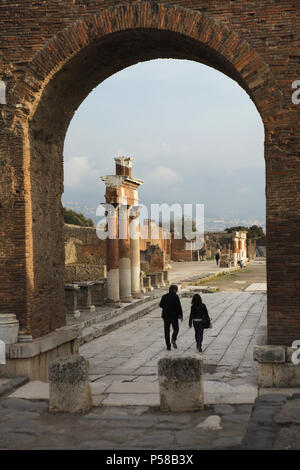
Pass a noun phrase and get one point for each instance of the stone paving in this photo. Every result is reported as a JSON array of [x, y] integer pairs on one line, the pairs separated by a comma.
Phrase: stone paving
[[129, 355], [28, 425], [123, 367]]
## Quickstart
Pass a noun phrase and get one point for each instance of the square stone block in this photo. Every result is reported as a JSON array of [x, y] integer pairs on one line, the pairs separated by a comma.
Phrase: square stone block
[[265, 375], [69, 385], [286, 375], [181, 383], [269, 353]]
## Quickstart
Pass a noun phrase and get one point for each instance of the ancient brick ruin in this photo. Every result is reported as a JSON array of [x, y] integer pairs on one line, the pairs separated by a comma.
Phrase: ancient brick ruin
[[52, 54]]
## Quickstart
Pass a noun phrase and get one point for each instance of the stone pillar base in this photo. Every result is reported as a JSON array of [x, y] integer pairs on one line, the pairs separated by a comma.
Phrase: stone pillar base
[[275, 366], [181, 383], [31, 359], [69, 385], [138, 295]]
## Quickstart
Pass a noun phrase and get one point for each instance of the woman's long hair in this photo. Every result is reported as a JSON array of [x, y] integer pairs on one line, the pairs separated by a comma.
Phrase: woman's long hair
[[196, 300]]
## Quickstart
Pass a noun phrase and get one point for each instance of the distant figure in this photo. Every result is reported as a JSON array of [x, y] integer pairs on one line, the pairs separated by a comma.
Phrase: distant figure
[[240, 263], [217, 258], [199, 319], [171, 312]]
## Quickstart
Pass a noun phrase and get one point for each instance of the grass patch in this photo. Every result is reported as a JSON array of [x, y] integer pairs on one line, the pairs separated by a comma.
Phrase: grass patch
[[223, 276]]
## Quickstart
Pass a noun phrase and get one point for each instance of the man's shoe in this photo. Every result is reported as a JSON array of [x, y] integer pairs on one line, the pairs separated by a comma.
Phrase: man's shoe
[[168, 348], [174, 344]]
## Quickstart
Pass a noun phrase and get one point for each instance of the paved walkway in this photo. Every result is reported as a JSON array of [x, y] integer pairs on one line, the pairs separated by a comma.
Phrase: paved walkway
[[123, 364], [180, 271]]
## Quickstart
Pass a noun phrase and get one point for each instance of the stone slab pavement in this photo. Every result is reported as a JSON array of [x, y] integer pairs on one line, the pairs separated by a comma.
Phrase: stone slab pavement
[[130, 354], [181, 271], [27, 425], [123, 377]]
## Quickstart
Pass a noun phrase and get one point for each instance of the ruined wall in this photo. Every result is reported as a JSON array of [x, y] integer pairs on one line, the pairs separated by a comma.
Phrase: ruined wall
[[214, 241], [251, 248], [153, 259], [85, 254], [179, 252]]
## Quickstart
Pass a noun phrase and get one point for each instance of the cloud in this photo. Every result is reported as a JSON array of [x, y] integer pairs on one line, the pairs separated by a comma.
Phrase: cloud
[[162, 175], [76, 170]]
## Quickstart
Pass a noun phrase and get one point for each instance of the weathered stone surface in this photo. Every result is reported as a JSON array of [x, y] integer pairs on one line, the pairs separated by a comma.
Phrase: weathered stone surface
[[286, 375], [265, 375], [269, 353], [181, 383], [69, 385], [289, 413]]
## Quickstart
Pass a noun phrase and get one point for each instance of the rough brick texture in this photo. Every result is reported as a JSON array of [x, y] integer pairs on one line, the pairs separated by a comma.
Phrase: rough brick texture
[[52, 54]]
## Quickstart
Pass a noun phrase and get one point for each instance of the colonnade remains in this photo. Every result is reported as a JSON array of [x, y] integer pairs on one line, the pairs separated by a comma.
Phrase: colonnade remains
[[123, 241]]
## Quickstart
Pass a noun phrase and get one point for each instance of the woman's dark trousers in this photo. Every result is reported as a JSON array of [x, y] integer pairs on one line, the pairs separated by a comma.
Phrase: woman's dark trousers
[[168, 322], [198, 332]]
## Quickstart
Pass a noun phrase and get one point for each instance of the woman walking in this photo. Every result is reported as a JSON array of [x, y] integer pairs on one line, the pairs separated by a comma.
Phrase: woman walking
[[199, 319]]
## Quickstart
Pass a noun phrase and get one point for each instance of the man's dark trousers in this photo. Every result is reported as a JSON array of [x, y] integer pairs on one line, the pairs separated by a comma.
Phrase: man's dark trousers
[[168, 322]]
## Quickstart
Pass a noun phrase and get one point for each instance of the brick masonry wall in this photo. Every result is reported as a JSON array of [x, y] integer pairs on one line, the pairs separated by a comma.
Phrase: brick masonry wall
[[46, 48], [179, 252], [85, 254]]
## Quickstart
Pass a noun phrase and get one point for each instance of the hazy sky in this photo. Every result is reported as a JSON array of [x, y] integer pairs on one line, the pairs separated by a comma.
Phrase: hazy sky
[[194, 134]]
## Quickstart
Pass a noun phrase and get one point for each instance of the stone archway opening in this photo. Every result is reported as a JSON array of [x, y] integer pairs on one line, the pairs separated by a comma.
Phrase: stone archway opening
[[48, 126], [58, 79]]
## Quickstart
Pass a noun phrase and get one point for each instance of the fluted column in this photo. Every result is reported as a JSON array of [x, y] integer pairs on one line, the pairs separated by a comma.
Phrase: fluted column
[[135, 254], [235, 254], [112, 254], [124, 255]]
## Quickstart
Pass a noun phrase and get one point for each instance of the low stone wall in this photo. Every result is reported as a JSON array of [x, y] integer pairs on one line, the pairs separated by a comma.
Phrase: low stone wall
[[85, 254], [276, 367], [31, 359]]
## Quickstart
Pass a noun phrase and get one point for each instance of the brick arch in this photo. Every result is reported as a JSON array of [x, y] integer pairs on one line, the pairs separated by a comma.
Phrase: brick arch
[[240, 61], [48, 93]]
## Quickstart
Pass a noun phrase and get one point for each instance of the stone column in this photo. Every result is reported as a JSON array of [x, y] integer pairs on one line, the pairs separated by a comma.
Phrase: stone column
[[124, 255], [135, 255], [112, 255], [240, 248], [235, 250]]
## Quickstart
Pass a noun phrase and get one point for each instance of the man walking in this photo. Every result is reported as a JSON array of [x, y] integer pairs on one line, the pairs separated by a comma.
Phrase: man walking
[[171, 312]]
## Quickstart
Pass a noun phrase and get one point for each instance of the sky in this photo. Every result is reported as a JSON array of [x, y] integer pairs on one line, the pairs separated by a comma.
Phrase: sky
[[194, 134]]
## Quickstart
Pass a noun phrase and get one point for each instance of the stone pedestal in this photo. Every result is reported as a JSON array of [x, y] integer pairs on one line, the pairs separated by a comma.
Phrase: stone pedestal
[[181, 383], [71, 293], [97, 293], [166, 277], [160, 279], [69, 385], [85, 297], [154, 280]]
